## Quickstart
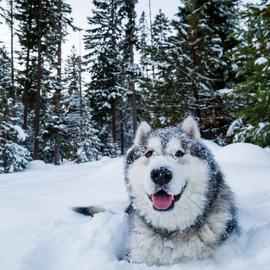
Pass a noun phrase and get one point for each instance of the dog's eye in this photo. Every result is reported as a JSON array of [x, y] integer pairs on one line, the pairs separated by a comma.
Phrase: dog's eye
[[179, 153], [149, 153]]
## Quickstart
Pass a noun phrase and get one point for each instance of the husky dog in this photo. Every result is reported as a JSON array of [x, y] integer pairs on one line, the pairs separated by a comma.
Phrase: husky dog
[[180, 206]]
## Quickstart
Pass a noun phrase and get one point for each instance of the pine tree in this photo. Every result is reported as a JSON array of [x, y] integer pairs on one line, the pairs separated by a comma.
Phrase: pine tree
[[157, 84], [13, 155], [142, 44], [62, 21], [104, 63], [82, 143], [251, 97], [5, 78], [199, 51], [8, 15], [131, 69], [40, 75]]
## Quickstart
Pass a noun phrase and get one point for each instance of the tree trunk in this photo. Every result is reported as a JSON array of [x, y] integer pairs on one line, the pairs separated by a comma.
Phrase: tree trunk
[[122, 135], [81, 100], [59, 82], [151, 33], [13, 94], [196, 62], [113, 121], [131, 41], [27, 80], [39, 75], [133, 106], [25, 93]]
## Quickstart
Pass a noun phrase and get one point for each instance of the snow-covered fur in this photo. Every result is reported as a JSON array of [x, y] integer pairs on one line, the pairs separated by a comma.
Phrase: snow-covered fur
[[181, 208]]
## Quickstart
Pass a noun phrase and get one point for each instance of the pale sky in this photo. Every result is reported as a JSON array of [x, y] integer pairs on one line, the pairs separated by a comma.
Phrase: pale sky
[[82, 9]]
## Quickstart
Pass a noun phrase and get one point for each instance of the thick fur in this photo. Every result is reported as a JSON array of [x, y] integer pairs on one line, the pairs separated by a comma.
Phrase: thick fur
[[200, 220]]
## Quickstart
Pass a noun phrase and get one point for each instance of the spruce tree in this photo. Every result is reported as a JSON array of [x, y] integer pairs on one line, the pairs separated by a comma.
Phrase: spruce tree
[[131, 69], [142, 44], [40, 76], [8, 15], [104, 63], [13, 155], [251, 97], [159, 100], [82, 143], [5, 78], [198, 49]]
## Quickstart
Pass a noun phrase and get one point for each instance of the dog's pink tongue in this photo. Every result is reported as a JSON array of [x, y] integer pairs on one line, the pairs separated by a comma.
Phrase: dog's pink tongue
[[162, 201]]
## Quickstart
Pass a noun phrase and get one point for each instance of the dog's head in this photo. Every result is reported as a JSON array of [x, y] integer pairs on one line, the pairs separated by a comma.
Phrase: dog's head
[[167, 175]]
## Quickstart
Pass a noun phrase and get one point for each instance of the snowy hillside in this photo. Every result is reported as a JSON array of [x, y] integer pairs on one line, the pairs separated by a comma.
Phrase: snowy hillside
[[39, 231]]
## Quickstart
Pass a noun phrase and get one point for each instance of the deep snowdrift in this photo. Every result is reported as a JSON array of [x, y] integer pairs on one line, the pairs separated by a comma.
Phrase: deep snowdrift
[[39, 231]]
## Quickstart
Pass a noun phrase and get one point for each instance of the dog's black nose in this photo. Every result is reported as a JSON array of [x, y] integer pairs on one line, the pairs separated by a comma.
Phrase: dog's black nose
[[161, 176]]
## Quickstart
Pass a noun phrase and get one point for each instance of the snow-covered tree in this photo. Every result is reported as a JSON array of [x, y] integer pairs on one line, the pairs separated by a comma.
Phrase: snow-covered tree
[[142, 44], [5, 78], [157, 86], [251, 97], [41, 29], [198, 50], [104, 63], [82, 142], [13, 155]]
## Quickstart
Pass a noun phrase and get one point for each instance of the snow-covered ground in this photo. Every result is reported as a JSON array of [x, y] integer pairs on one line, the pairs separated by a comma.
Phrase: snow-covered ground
[[39, 231]]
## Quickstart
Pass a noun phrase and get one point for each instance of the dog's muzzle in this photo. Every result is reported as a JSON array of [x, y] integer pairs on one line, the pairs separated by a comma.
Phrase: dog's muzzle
[[163, 201]]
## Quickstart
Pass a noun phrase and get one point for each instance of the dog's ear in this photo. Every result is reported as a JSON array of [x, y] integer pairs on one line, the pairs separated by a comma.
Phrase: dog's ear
[[141, 133], [190, 126]]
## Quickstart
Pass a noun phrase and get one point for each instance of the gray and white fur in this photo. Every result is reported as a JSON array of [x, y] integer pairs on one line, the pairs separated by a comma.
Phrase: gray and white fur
[[198, 212]]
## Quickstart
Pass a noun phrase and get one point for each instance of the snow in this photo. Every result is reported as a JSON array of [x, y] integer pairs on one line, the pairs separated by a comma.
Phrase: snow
[[235, 124], [212, 145], [264, 6], [37, 165], [248, 154], [224, 91], [21, 135], [38, 230], [261, 61]]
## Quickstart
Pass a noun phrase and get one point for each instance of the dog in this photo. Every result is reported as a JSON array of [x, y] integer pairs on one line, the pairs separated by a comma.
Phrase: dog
[[180, 206]]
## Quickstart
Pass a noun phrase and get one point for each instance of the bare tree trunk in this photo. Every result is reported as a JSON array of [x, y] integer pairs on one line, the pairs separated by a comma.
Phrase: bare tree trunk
[[113, 121], [13, 94], [80, 89], [59, 81], [114, 100], [151, 33], [131, 41], [27, 80], [195, 89], [122, 135], [133, 106], [25, 93], [39, 75]]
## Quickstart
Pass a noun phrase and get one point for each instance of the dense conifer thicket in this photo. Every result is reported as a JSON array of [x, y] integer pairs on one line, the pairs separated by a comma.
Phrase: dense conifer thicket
[[209, 60]]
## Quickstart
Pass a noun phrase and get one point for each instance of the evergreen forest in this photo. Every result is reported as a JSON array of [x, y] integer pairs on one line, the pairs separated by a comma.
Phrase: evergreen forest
[[211, 60]]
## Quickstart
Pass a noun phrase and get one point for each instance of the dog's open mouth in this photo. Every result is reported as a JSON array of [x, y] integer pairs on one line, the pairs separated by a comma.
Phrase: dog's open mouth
[[162, 201]]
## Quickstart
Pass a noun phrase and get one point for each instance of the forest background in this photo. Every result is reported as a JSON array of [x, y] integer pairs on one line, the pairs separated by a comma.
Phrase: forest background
[[210, 59]]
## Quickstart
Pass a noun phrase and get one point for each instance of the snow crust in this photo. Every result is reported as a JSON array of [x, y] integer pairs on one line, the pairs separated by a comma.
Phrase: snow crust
[[213, 147], [38, 230], [21, 135], [37, 165], [261, 61], [244, 153]]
